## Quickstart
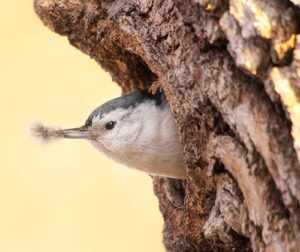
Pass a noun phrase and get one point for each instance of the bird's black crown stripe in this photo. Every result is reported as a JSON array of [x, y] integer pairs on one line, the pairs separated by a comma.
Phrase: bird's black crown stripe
[[130, 100]]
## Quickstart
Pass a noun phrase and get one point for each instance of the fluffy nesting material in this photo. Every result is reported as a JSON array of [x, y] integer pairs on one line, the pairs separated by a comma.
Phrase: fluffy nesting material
[[46, 134]]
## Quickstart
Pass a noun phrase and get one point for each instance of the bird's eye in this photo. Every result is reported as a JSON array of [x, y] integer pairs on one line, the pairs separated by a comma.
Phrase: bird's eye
[[110, 125]]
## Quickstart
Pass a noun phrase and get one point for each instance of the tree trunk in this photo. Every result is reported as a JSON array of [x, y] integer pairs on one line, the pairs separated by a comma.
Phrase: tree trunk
[[231, 72]]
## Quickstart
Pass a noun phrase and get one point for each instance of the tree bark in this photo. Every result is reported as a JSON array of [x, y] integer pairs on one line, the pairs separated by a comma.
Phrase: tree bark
[[231, 73]]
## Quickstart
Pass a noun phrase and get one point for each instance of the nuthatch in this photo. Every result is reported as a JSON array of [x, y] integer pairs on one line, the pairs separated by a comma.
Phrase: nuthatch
[[137, 130]]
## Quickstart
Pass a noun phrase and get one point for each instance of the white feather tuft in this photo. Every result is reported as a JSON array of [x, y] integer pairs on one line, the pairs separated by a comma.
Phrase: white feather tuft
[[46, 134]]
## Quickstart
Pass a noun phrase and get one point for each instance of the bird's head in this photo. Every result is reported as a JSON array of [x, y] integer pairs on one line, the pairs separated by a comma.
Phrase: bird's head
[[115, 125]]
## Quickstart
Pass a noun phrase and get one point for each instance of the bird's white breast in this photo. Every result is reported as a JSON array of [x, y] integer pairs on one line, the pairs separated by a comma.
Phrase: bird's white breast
[[147, 140]]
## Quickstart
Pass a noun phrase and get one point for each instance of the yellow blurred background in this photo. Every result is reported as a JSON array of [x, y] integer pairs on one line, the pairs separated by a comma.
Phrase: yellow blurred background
[[65, 196]]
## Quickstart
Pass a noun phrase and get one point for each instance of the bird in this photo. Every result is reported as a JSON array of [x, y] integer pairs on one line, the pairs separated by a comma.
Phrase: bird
[[137, 130]]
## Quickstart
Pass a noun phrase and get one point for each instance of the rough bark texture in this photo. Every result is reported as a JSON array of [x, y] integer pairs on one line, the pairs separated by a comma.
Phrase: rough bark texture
[[231, 72]]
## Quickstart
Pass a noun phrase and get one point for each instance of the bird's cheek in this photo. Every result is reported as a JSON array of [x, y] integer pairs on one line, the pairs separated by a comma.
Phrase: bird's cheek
[[122, 137], [104, 139], [99, 143], [96, 133]]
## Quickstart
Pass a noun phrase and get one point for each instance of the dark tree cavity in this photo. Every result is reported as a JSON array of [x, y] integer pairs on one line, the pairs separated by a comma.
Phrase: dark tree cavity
[[231, 72]]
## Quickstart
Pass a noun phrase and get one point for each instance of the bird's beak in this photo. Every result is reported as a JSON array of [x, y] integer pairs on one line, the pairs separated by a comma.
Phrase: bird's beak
[[81, 132]]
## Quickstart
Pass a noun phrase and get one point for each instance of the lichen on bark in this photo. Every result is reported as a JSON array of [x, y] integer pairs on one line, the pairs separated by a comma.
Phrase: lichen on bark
[[231, 73]]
